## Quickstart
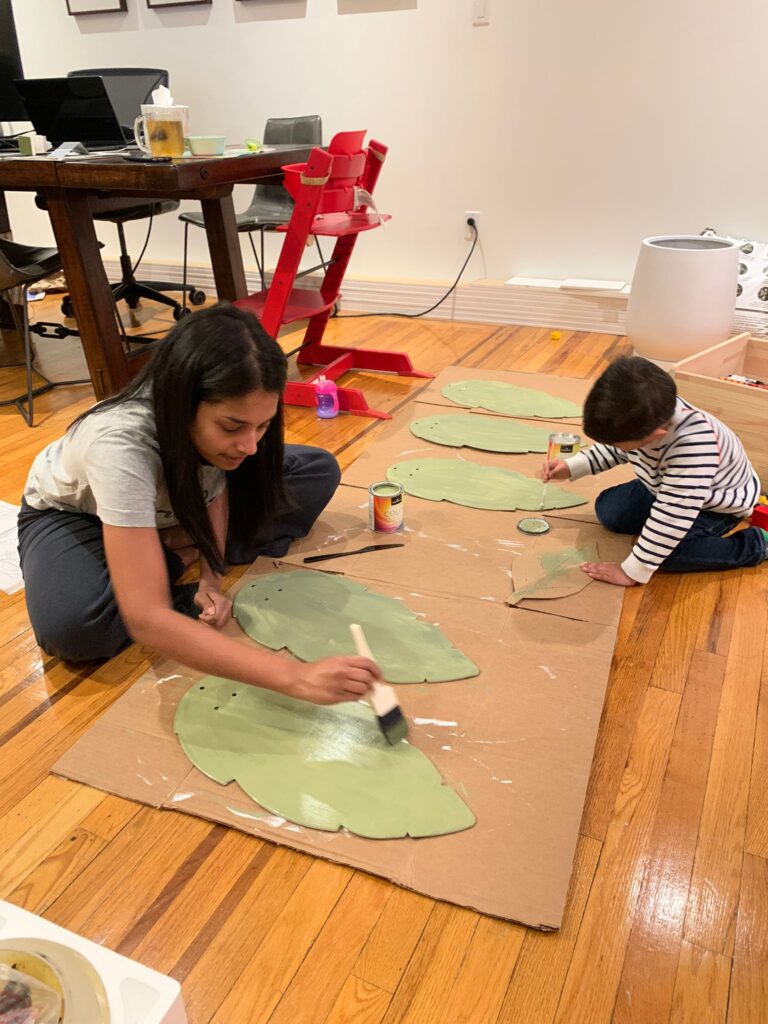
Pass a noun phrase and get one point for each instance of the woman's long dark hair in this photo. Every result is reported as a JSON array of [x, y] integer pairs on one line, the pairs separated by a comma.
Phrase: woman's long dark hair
[[220, 352]]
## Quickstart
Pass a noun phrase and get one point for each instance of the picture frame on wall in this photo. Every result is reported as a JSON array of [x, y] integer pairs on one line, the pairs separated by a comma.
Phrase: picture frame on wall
[[78, 7], [153, 4]]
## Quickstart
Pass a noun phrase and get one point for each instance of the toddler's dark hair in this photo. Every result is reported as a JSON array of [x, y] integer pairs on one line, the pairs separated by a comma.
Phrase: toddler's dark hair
[[628, 401]]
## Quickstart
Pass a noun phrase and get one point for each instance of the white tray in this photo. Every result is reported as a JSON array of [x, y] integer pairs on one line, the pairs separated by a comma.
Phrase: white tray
[[136, 994]]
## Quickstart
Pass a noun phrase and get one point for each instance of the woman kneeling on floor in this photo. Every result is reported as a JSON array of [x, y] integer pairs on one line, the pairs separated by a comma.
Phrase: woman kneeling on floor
[[187, 461]]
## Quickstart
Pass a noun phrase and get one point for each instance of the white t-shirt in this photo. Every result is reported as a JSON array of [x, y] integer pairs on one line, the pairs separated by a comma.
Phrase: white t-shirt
[[109, 466]]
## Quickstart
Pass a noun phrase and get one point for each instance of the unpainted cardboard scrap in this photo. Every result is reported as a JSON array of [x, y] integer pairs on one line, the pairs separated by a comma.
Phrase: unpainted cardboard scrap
[[552, 577], [516, 743]]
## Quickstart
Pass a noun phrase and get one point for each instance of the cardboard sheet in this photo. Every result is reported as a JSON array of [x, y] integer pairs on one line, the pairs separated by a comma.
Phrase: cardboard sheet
[[516, 743], [461, 551], [396, 443], [573, 388]]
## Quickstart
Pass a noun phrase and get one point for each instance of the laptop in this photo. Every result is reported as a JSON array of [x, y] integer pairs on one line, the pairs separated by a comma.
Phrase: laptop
[[76, 109]]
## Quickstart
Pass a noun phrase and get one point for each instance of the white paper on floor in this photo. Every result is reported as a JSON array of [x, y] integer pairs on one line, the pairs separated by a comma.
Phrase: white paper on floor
[[10, 571]]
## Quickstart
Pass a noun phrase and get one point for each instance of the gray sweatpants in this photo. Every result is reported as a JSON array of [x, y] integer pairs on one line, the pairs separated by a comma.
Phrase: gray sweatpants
[[69, 594]]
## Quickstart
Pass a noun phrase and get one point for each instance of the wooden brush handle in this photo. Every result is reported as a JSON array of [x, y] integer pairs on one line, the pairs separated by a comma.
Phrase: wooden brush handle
[[361, 644], [382, 696]]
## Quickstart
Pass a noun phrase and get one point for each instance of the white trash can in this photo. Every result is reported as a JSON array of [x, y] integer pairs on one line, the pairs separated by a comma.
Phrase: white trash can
[[683, 296]]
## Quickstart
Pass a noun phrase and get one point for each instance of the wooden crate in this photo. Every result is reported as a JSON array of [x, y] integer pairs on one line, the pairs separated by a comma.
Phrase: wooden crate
[[744, 409]]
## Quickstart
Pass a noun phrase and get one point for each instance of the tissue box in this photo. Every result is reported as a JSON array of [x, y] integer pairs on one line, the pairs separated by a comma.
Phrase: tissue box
[[136, 994]]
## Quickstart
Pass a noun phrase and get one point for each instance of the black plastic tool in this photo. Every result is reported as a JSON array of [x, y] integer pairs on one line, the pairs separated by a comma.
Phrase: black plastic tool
[[357, 551]]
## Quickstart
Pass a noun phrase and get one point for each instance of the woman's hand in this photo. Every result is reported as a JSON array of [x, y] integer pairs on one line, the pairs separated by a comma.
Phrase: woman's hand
[[216, 607], [333, 680], [555, 469]]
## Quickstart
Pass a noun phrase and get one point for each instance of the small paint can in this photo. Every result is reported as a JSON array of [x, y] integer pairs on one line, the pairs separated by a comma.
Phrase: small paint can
[[562, 445], [385, 507]]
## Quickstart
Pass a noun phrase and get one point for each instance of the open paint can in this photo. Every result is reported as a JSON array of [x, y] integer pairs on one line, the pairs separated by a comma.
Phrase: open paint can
[[562, 445], [385, 507]]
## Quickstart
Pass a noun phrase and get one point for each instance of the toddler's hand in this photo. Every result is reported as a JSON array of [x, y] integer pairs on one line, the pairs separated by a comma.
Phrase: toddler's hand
[[555, 469]]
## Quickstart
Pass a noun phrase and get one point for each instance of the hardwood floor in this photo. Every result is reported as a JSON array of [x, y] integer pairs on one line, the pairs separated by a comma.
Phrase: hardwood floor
[[667, 916]]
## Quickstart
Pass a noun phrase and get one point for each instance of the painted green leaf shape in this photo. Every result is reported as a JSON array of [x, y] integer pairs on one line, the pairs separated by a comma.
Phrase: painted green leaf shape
[[496, 396], [323, 767], [466, 483], [309, 613], [487, 433]]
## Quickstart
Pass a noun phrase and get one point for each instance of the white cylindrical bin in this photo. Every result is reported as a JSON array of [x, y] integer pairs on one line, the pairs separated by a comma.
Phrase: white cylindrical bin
[[683, 295]]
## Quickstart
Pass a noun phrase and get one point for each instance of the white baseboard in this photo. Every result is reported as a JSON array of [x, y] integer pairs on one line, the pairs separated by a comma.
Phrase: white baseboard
[[477, 302]]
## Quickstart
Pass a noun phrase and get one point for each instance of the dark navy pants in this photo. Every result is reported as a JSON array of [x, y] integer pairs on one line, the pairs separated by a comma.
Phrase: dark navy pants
[[69, 594], [625, 508]]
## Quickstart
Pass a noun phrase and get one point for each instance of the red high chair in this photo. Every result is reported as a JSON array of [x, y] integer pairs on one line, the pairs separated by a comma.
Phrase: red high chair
[[330, 202]]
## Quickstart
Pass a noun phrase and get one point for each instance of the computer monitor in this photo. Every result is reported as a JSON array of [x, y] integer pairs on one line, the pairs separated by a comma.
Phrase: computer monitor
[[11, 104], [72, 110]]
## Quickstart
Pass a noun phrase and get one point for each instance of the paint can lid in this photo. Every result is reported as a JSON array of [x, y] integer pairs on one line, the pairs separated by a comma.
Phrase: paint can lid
[[532, 524]]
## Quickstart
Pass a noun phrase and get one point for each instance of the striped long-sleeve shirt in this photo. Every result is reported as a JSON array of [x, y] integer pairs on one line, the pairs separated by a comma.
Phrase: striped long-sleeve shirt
[[699, 464]]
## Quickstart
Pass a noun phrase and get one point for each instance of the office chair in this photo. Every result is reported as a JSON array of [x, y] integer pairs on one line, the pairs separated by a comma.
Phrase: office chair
[[21, 266], [128, 88], [271, 205]]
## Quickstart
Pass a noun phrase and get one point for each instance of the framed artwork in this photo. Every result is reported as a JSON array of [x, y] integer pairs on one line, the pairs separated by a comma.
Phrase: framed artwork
[[175, 3], [76, 7]]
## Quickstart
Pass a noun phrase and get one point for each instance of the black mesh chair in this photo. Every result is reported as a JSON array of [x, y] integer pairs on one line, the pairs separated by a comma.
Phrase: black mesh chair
[[271, 205], [128, 88], [21, 266]]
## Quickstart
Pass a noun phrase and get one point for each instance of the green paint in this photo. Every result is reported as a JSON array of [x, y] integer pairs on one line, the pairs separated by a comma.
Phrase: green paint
[[487, 433], [496, 396], [385, 490], [466, 483], [558, 574], [309, 614], [323, 767]]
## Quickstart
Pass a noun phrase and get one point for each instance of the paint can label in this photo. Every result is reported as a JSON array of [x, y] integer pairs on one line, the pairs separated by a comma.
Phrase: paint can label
[[385, 507], [562, 445]]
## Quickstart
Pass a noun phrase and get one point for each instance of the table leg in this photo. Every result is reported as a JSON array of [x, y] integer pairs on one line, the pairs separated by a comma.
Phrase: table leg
[[91, 294], [224, 246], [6, 319], [5, 223]]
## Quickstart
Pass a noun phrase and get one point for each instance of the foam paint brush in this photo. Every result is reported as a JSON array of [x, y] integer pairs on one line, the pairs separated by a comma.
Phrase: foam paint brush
[[382, 696]]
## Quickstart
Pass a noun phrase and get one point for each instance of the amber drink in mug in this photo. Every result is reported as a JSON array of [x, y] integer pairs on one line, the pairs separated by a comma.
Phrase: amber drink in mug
[[160, 131]]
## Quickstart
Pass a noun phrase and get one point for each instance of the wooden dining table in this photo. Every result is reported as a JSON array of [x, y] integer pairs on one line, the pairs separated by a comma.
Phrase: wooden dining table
[[67, 186]]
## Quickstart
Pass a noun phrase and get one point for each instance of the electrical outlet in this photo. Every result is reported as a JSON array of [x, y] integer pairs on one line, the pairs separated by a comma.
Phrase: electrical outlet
[[469, 234]]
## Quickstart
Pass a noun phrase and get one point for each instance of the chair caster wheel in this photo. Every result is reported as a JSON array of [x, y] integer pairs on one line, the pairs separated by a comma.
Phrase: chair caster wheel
[[67, 308], [196, 297], [180, 312]]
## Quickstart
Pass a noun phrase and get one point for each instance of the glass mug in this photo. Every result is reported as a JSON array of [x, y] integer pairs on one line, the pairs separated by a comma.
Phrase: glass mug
[[160, 131]]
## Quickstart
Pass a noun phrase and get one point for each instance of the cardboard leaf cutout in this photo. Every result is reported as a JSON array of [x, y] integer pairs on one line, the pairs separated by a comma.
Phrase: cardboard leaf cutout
[[323, 767], [496, 396], [466, 483], [486, 433], [309, 613]]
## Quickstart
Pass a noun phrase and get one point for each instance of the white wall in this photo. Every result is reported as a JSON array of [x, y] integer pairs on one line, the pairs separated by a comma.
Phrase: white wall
[[577, 127]]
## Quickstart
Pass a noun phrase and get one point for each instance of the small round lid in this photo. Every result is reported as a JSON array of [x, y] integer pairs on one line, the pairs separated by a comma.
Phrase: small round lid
[[532, 524]]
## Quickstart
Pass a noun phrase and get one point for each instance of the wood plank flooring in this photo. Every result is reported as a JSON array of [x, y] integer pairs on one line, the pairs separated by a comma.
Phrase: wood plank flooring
[[667, 917]]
